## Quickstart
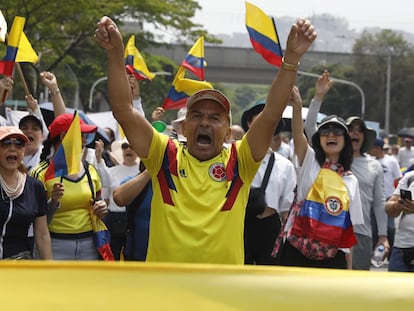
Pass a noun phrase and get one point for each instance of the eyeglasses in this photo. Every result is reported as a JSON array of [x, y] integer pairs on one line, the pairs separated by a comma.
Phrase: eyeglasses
[[358, 129], [9, 141], [337, 131], [125, 146]]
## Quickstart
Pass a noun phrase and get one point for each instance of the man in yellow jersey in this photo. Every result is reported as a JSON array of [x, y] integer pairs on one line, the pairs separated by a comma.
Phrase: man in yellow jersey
[[201, 187]]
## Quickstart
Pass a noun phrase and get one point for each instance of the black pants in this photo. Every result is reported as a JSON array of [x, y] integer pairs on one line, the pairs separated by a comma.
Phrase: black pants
[[117, 227], [289, 256], [259, 239]]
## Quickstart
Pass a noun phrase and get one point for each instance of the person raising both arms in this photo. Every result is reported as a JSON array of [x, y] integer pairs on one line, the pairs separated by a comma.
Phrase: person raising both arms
[[201, 188]]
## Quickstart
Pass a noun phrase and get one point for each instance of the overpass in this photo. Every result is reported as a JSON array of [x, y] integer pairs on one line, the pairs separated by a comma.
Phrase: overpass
[[244, 65]]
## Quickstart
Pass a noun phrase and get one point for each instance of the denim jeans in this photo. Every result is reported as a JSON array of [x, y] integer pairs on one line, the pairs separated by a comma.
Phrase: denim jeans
[[74, 249], [396, 262]]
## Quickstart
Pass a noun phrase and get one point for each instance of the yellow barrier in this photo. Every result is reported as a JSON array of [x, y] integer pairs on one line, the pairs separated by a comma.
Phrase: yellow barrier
[[36, 285]]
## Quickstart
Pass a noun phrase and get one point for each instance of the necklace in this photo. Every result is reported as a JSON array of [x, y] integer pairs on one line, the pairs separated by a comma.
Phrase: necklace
[[12, 192]]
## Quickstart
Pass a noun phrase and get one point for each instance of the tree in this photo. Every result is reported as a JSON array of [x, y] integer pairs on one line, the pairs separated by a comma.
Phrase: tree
[[370, 66], [61, 32]]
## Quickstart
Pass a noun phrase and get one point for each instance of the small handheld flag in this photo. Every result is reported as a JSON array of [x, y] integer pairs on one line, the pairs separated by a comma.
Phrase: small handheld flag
[[181, 89], [13, 41], [135, 63], [263, 35], [67, 159], [25, 53], [194, 61]]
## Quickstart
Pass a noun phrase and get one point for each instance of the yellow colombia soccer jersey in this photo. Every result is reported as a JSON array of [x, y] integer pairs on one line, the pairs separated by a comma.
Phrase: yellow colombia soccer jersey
[[197, 214], [73, 216]]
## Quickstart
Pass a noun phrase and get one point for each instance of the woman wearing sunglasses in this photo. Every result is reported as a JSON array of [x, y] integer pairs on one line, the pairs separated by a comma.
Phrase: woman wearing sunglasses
[[72, 198], [319, 229], [22, 201]]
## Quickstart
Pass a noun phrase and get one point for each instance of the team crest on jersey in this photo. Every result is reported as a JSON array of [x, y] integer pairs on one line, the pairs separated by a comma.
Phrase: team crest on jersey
[[333, 205], [217, 172]]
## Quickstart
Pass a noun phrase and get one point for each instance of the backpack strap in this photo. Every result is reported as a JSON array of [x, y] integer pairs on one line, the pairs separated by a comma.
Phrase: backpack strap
[[410, 180], [86, 167], [268, 171]]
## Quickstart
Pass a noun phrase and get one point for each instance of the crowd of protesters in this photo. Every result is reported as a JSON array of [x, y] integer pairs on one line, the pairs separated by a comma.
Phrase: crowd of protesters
[[209, 189]]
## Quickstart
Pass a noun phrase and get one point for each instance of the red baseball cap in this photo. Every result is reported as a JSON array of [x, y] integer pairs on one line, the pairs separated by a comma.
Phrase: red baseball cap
[[62, 123], [210, 94]]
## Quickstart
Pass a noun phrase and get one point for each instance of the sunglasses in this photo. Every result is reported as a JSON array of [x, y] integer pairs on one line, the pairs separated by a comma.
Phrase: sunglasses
[[358, 129], [337, 131], [125, 146], [9, 141]]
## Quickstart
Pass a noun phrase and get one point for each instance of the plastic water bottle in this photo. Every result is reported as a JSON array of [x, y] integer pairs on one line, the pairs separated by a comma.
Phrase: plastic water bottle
[[378, 257]]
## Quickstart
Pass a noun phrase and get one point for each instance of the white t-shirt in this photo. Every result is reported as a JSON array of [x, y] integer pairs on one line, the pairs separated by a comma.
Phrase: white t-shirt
[[118, 173], [391, 172], [405, 155], [404, 233]]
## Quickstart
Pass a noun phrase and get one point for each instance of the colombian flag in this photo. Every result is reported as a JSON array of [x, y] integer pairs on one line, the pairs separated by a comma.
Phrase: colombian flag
[[324, 215], [13, 41], [134, 62], [102, 238], [181, 89], [263, 35], [25, 53], [67, 159], [194, 61]]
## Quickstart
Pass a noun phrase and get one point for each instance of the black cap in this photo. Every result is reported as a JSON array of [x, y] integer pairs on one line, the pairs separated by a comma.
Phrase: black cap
[[369, 133], [254, 110], [331, 119], [379, 142], [31, 117]]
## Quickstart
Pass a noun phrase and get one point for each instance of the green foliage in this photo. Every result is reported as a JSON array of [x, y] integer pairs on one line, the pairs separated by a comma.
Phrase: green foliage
[[61, 33], [370, 67]]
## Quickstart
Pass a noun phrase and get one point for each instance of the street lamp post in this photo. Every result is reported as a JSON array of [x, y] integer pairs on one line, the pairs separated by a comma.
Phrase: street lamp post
[[344, 82], [387, 95], [92, 89]]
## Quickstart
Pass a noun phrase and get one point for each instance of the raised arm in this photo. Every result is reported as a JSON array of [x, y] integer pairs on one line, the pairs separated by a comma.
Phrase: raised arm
[[322, 87], [34, 109], [300, 38], [299, 139], [107, 35], [49, 79]]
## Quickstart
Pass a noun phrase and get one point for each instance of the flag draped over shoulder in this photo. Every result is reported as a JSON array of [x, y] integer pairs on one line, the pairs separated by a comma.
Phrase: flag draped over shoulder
[[67, 159], [135, 63], [13, 41], [3, 27], [181, 89], [263, 35], [25, 53], [194, 61]]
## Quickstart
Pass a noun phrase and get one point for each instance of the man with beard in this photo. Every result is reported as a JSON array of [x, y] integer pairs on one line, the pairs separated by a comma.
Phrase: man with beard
[[371, 186], [200, 189]]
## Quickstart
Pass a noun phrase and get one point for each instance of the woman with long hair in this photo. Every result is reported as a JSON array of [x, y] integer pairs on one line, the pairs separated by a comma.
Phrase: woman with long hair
[[318, 231]]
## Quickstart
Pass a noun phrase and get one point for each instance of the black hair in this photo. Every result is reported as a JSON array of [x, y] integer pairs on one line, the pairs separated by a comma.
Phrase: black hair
[[345, 156], [47, 145]]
